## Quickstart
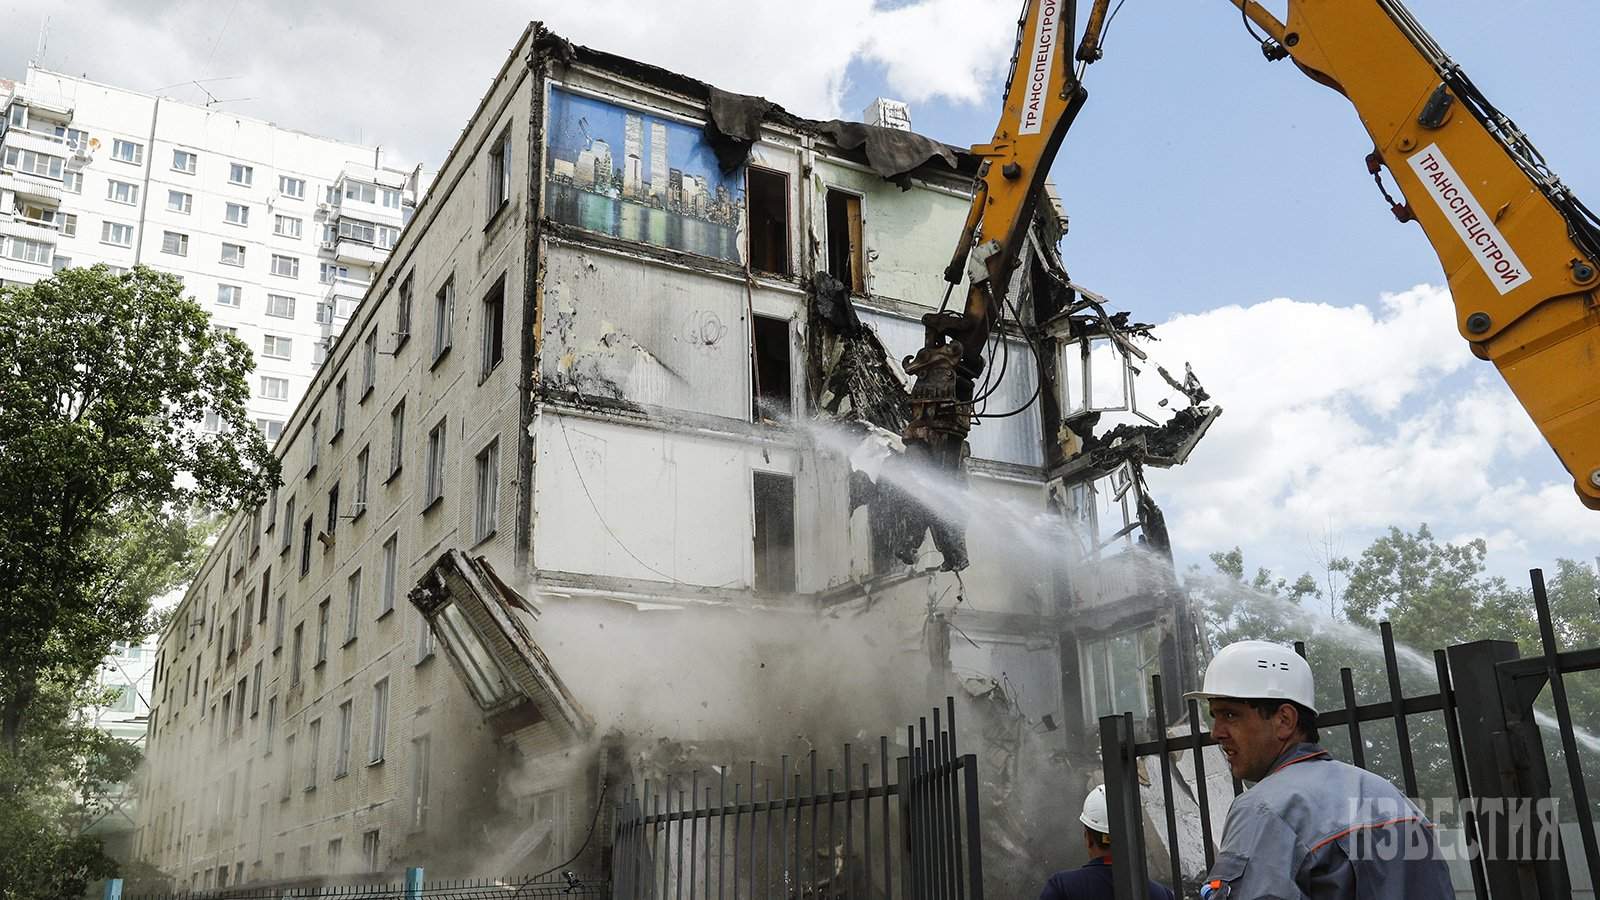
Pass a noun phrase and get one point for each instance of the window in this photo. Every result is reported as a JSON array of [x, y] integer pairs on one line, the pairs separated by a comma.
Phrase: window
[[286, 226], [389, 197], [424, 638], [60, 262], [255, 696], [31, 163], [324, 313], [277, 346], [774, 532], [127, 151], [232, 254], [274, 388], [391, 562], [352, 590], [844, 240], [1117, 670], [357, 230], [319, 351], [330, 272], [30, 251], [488, 483], [277, 627], [271, 429], [116, 234], [324, 612], [369, 850], [236, 214], [369, 363], [180, 202], [288, 529], [333, 508], [69, 224], [767, 199], [500, 172], [266, 586], [305, 545], [313, 739], [287, 266], [387, 237], [292, 187], [183, 161], [174, 243], [402, 318], [280, 306], [444, 316], [380, 720], [272, 721], [227, 713], [421, 762], [238, 710], [360, 504], [314, 447], [770, 368], [341, 758], [433, 486], [360, 190], [241, 174], [397, 436], [229, 295], [72, 182], [335, 850], [494, 306], [122, 192], [338, 408]]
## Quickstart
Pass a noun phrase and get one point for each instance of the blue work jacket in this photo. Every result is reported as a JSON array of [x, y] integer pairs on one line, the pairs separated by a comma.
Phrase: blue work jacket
[[1091, 881], [1318, 828]]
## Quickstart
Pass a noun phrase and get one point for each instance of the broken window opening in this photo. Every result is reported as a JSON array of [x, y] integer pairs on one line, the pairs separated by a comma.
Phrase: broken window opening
[[483, 675], [1096, 376], [774, 532], [770, 369], [846, 256], [767, 201], [1117, 672]]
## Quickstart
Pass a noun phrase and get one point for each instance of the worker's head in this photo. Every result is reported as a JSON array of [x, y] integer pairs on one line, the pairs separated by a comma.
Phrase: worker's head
[[1261, 698], [1096, 824]]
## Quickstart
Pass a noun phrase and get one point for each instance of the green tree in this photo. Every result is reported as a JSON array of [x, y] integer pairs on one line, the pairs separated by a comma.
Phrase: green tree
[[104, 383]]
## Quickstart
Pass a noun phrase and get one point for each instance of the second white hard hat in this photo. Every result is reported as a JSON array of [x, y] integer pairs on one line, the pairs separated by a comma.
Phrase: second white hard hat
[[1094, 811], [1258, 670]]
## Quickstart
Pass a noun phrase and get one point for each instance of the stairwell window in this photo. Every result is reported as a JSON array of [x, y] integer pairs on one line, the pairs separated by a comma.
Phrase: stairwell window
[[499, 175], [433, 488], [494, 308], [488, 488]]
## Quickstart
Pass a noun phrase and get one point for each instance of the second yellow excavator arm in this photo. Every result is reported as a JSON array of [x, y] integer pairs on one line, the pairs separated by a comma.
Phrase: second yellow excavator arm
[[1520, 253]]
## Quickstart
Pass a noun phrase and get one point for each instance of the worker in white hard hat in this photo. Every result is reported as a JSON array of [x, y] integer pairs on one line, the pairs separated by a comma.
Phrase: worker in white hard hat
[[1092, 880], [1309, 826]]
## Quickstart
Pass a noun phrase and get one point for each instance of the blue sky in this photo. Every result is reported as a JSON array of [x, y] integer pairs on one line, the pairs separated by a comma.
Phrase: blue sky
[[1210, 191]]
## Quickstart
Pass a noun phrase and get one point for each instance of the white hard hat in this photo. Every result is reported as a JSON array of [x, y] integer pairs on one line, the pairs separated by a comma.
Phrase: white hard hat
[[1094, 811], [1258, 670]]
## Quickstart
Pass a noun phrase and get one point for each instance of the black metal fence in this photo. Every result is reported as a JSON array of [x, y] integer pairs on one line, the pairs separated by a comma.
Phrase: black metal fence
[[1486, 694], [810, 833], [541, 887]]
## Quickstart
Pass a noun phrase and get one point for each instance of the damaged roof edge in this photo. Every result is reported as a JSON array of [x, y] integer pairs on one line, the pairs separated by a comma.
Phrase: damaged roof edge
[[458, 578], [733, 120]]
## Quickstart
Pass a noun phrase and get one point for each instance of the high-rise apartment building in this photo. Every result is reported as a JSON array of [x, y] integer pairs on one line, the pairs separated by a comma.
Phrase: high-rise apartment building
[[274, 231]]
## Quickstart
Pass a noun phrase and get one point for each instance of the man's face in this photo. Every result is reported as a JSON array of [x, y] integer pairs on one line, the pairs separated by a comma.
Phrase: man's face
[[1251, 742]]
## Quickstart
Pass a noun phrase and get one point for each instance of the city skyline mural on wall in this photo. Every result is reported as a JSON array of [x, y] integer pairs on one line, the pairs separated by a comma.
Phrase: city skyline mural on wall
[[639, 177]]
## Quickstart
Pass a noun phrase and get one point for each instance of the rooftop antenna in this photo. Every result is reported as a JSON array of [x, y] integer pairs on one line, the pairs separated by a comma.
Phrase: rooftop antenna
[[213, 100], [44, 41]]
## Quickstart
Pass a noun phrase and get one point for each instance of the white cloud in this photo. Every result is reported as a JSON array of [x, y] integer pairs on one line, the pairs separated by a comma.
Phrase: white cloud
[[407, 76], [1351, 419]]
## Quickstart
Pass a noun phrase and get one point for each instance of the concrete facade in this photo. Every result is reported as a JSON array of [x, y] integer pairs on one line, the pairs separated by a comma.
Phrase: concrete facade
[[574, 403], [274, 232]]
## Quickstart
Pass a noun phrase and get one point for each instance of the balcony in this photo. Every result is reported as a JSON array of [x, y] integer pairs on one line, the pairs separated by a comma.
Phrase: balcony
[[31, 229], [349, 251], [32, 187]]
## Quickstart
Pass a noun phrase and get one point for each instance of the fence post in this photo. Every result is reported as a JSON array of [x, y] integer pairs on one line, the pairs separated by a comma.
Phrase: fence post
[[1129, 876], [113, 889], [413, 889], [1505, 765]]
